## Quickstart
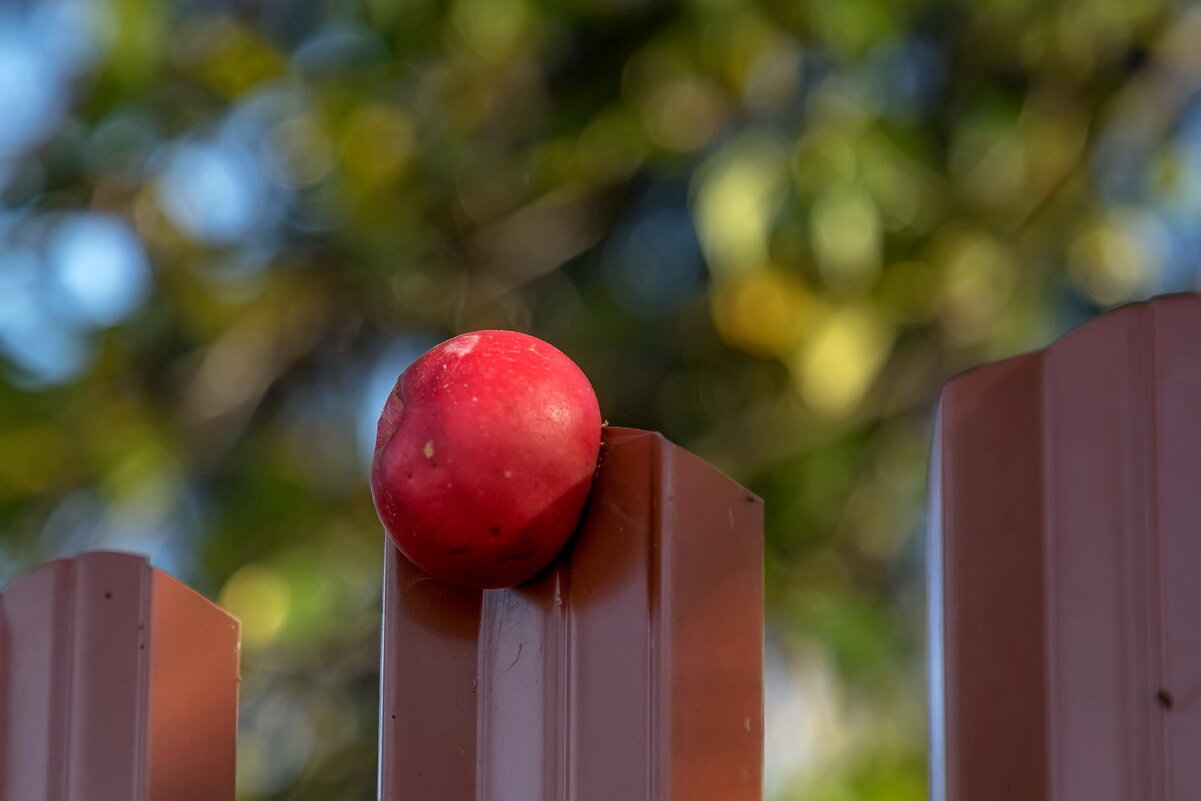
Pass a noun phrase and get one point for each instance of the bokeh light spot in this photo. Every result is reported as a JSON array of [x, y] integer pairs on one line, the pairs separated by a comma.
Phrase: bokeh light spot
[[763, 312], [100, 266], [214, 192], [230, 57], [978, 280], [684, 114], [491, 29], [32, 95], [377, 143], [1110, 263], [300, 153], [837, 364], [48, 348], [846, 237], [259, 597], [737, 199]]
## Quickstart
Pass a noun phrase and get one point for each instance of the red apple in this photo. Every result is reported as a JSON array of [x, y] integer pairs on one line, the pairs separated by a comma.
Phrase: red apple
[[484, 456]]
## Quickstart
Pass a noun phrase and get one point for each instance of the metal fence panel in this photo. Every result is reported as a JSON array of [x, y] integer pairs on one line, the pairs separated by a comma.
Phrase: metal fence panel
[[117, 683], [632, 669], [1066, 526]]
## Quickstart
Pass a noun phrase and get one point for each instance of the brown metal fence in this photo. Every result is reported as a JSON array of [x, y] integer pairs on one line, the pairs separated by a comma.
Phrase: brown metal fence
[[1066, 548], [630, 670], [117, 683], [1065, 661]]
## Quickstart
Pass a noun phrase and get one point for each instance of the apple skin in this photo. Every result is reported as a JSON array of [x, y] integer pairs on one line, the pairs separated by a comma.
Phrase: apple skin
[[484, 456]]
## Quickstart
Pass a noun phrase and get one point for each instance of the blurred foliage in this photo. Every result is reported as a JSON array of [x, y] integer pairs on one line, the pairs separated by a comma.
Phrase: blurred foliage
[[768, 229]]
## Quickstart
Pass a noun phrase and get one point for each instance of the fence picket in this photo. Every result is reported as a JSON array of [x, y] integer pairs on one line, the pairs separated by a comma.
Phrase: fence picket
[[117, 683]]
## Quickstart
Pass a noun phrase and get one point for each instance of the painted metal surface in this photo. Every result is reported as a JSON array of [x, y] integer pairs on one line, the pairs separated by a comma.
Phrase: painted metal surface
[[1066, 531], [631, 669], [117, 683]]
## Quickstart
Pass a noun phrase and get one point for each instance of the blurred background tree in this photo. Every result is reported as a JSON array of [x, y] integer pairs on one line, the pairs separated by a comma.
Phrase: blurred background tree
[[768, 229]]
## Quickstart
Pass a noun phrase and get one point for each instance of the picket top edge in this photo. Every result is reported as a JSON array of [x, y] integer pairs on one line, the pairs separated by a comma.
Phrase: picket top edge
[[125, 560], [955, 383], [617, 435]]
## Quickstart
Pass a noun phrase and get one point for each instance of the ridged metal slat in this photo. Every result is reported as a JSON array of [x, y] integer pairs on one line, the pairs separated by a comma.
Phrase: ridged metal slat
[[631, 669], [117, 683], [1066, 544]]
